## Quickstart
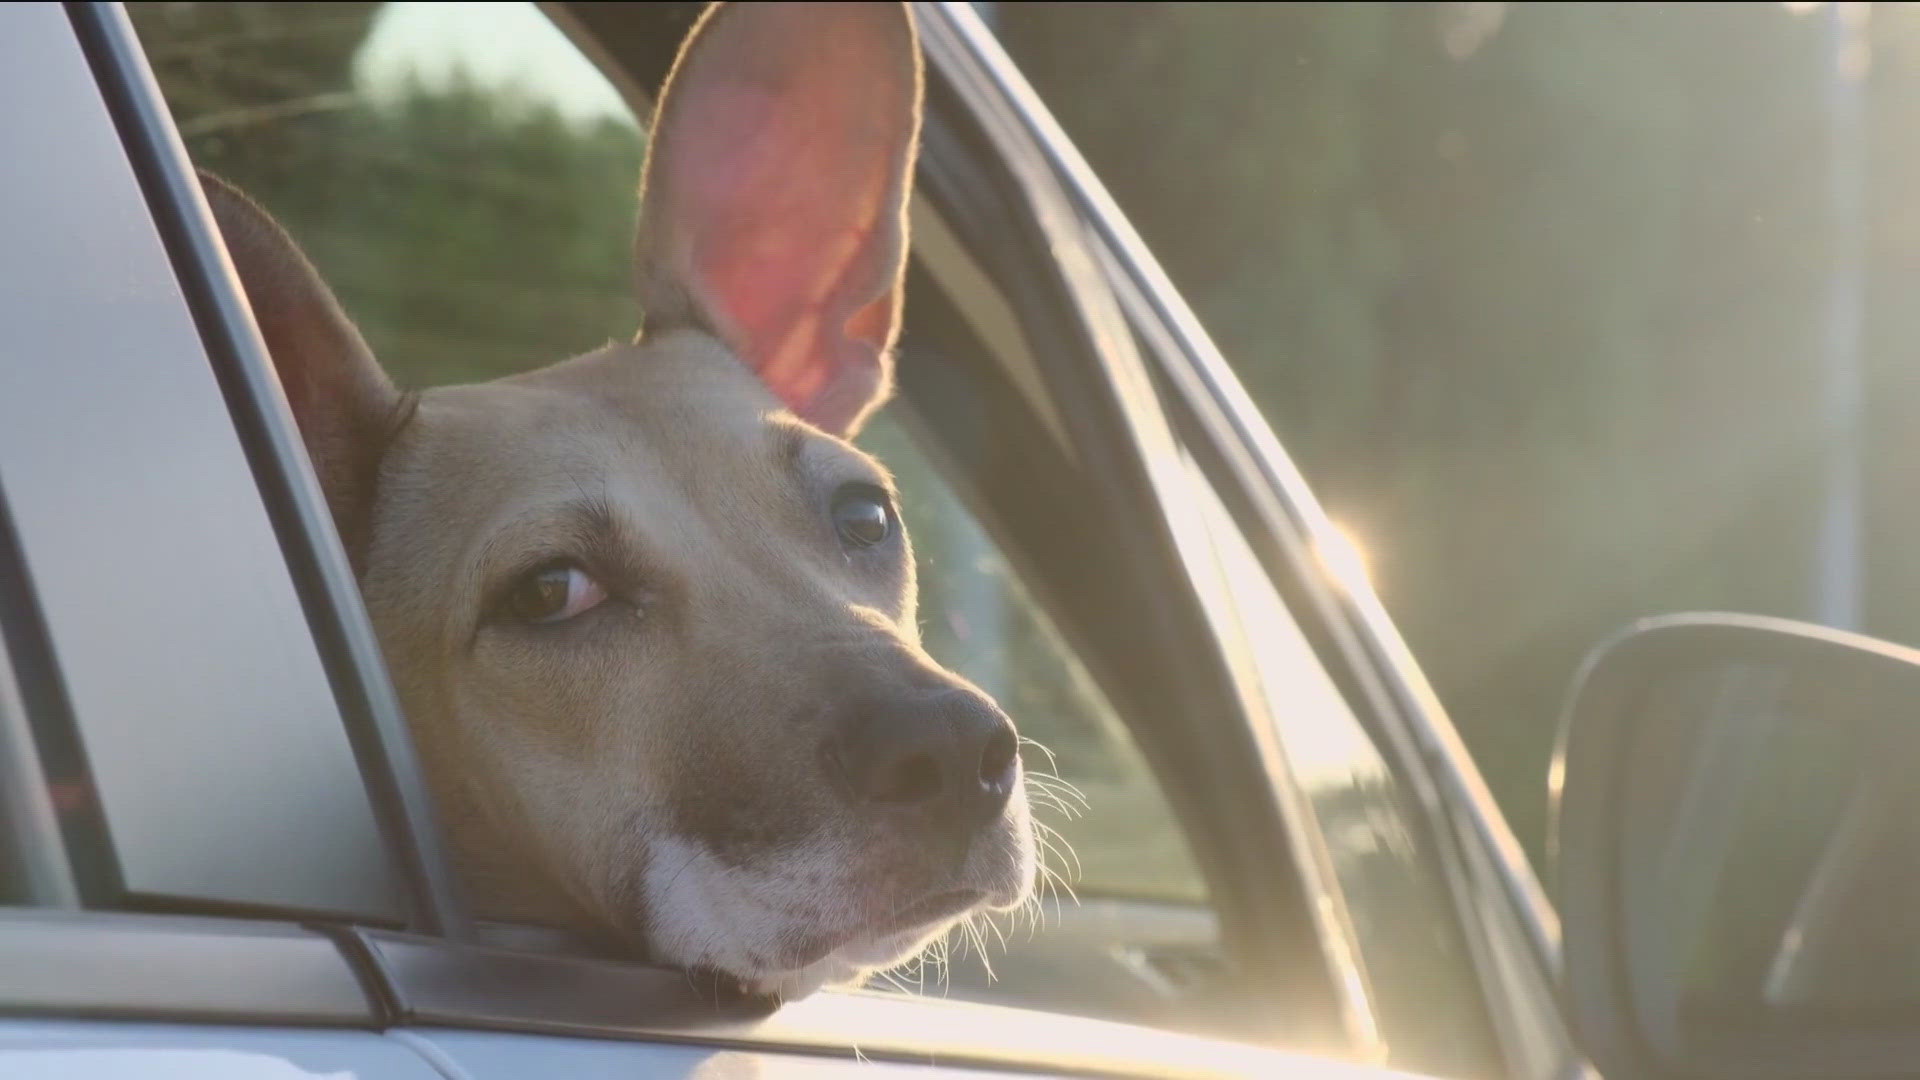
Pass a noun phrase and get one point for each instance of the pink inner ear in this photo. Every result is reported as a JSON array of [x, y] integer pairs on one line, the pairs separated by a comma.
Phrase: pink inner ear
[[787, 197]]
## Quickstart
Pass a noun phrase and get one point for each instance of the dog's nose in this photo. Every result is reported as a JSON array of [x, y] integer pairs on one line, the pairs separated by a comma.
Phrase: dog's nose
[[952, 753]]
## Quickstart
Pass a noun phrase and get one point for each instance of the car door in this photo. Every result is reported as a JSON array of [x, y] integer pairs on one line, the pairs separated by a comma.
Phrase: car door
[[1220, 910], [218, 858]]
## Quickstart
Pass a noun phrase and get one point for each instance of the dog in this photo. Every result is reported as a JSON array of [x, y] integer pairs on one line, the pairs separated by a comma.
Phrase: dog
[[651, 616]]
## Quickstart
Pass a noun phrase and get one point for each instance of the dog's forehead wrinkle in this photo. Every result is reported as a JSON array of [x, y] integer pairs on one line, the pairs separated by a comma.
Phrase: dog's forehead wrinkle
[[693, 400], [673, 449], [813, 459]]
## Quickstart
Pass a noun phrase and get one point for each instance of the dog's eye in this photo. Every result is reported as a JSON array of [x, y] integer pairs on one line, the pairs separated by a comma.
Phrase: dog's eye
[[862, 515], [553, 593]]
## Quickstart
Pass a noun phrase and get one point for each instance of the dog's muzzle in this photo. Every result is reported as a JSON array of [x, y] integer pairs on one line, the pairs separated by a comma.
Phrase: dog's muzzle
[[939, 764]]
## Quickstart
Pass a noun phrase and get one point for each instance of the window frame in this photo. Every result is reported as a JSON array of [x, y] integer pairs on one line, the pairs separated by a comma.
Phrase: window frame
[[1099, 384], [1467, 1052], [1499, 902], [1513, 940], [1516, 990], [1520, 1007]]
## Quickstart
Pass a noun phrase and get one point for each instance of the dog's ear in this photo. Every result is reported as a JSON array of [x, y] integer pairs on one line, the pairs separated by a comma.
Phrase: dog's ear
[[773, 211], [341, 398]]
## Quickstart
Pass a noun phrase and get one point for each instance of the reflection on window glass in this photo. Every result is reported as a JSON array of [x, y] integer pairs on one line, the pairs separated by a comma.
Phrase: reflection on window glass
[[977, 618], [1426, 992], [461, 175]]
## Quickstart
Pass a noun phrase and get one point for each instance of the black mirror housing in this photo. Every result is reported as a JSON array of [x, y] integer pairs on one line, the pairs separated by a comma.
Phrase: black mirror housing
[[1735, 851]]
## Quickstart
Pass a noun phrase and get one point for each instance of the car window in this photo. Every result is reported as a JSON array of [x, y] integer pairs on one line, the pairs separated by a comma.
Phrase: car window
[[464, 178]]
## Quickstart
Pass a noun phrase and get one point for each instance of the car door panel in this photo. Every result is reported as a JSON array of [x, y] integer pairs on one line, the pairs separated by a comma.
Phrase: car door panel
[[1054, 1046], [104, 1050], [484, 1055]]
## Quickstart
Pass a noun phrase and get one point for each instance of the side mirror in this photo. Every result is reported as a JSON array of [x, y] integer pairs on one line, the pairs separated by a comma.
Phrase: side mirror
[[1735, 850]]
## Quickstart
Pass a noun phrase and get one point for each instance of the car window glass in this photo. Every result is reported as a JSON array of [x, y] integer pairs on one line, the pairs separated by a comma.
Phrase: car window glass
[[1427, 995]]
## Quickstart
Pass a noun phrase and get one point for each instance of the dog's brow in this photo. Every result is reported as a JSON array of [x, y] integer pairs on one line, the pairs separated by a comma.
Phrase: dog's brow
[[809, 458], [593, 519], [587, 525], [789, 446]]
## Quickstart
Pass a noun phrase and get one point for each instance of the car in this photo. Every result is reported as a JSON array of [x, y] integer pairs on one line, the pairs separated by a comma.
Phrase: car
[[219, 858]]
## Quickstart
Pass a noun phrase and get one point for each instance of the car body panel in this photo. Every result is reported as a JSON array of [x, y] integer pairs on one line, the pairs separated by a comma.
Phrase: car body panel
[[88, 1050], [1047, 1045]]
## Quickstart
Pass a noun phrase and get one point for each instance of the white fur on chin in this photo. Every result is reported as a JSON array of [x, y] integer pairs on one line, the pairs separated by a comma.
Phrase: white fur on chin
[[728, 919]]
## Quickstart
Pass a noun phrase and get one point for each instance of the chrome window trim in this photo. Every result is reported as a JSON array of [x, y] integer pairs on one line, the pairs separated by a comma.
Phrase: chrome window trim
[[434, 983], [158, 967]]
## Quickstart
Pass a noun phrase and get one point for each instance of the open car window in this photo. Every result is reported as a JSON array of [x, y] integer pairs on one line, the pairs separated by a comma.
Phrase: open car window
[[463, 176]]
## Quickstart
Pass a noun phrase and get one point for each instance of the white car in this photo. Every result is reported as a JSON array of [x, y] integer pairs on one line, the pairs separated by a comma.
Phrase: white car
[[217, 857]]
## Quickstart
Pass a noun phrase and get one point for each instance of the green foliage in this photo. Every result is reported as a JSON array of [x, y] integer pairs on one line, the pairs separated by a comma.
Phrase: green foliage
[[471, 234]]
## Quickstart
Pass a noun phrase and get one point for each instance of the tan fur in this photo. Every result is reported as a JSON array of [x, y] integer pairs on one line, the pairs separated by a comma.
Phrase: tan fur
[[559, 765], [653, 771]]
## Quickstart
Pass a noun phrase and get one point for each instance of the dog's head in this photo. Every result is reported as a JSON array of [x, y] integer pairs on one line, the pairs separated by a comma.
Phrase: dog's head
[[652, 617]]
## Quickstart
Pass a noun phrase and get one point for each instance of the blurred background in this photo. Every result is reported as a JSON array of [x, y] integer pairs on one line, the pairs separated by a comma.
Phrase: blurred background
[[1571, 313]]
